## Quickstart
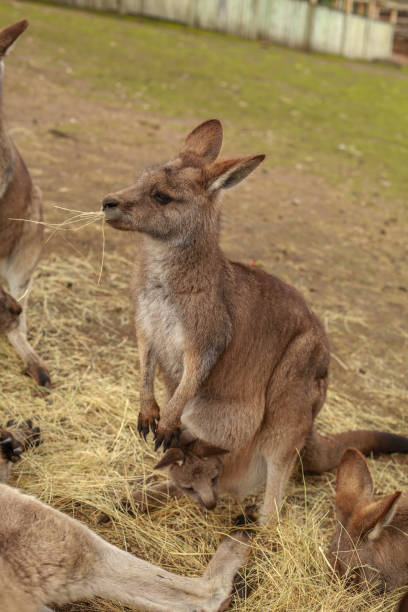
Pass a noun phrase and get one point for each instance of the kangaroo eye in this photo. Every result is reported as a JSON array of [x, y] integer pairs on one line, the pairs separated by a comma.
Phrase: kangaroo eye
[[162, 198], [214, 481]]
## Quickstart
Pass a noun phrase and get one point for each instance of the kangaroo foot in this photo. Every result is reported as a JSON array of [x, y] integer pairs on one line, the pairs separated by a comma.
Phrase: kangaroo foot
[[24, 433], [39, 373]]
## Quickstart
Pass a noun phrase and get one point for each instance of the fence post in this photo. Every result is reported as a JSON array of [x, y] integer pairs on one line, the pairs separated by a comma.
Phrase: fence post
[[394, 16], [309, 24], [372, 9], [348, 9]]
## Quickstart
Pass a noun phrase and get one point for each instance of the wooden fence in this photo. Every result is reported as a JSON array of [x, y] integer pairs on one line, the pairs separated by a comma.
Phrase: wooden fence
[[295, 23]]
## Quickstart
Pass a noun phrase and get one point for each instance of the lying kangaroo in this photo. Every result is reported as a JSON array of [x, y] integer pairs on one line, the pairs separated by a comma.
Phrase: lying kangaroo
[[47, 557], [371, 539], [20, 243], [243, 358]]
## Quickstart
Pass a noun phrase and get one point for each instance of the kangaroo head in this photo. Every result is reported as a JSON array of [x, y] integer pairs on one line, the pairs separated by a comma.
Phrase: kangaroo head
[[177, 201], [371, 540], [8, 36], [195, 469], [10, 310]]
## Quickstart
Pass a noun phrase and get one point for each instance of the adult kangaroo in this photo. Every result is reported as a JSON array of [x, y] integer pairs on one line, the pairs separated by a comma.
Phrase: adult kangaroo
[[244, 360], [20, 242]]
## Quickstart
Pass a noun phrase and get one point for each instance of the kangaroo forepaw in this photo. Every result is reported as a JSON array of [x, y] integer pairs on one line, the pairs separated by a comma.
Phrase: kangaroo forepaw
[[25, 433], [145, 424], [166, 437], [10, 448]]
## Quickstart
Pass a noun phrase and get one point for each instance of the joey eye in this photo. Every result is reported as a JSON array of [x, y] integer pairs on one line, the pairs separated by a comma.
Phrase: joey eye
[[190, 489], [214, 481], [162, 198]]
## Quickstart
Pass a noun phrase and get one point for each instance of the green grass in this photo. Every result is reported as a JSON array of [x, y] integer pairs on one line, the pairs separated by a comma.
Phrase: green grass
[[345, 120]]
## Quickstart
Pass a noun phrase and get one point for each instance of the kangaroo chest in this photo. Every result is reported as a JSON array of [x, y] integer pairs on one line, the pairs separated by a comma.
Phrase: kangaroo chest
[[158, 317]]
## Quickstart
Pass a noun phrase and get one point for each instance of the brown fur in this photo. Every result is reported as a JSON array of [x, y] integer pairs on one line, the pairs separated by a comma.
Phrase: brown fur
[[20, 242], [371, 541], [243, 358], [403, 605], [10, 311], [47, 557]]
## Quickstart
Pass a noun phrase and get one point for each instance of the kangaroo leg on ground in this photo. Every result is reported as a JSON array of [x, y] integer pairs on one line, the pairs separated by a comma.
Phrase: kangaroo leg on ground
[[18, 271], [283, 438], [19, 275]]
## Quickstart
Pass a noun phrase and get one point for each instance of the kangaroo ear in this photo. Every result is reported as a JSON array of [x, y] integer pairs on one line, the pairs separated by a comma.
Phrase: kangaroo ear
[[204, 449], [354, 483], [204, 141], [173, 455], [229, 172], [377, 515], [10, 34]]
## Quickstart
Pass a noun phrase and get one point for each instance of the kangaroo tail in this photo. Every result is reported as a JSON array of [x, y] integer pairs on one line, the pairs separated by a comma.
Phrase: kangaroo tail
[[323, 453]]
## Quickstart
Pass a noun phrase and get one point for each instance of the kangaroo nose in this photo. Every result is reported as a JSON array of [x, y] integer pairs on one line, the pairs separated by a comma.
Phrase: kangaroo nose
[[110, 203]]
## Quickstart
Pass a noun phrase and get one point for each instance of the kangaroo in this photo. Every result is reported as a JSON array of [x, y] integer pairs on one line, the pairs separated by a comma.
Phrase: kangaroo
[[20, 242], [371, 540], [49, 558], [243, 359]]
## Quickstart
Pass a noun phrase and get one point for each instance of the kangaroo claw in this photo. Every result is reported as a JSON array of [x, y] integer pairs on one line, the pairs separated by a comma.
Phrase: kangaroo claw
[[145, 424], [10, 447], [158, 441], [142, 426], [18, 438], [167, 438]]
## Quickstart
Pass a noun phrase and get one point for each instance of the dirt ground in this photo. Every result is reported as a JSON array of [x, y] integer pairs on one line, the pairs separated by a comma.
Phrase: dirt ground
[[349, 259], [343, 255]]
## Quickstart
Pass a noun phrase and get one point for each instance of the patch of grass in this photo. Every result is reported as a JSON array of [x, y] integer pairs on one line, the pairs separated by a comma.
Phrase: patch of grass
[[92, 455], [346, 120]]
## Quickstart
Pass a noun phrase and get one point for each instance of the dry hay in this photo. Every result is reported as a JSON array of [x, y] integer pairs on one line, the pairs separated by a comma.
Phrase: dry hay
[[92, 456]]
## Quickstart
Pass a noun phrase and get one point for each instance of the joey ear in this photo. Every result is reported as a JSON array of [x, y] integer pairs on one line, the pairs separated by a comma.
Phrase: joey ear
[[204, 449], [378, 514], [229, 172], [173, 455], [204, 141], [353, 484], [10, 34]]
